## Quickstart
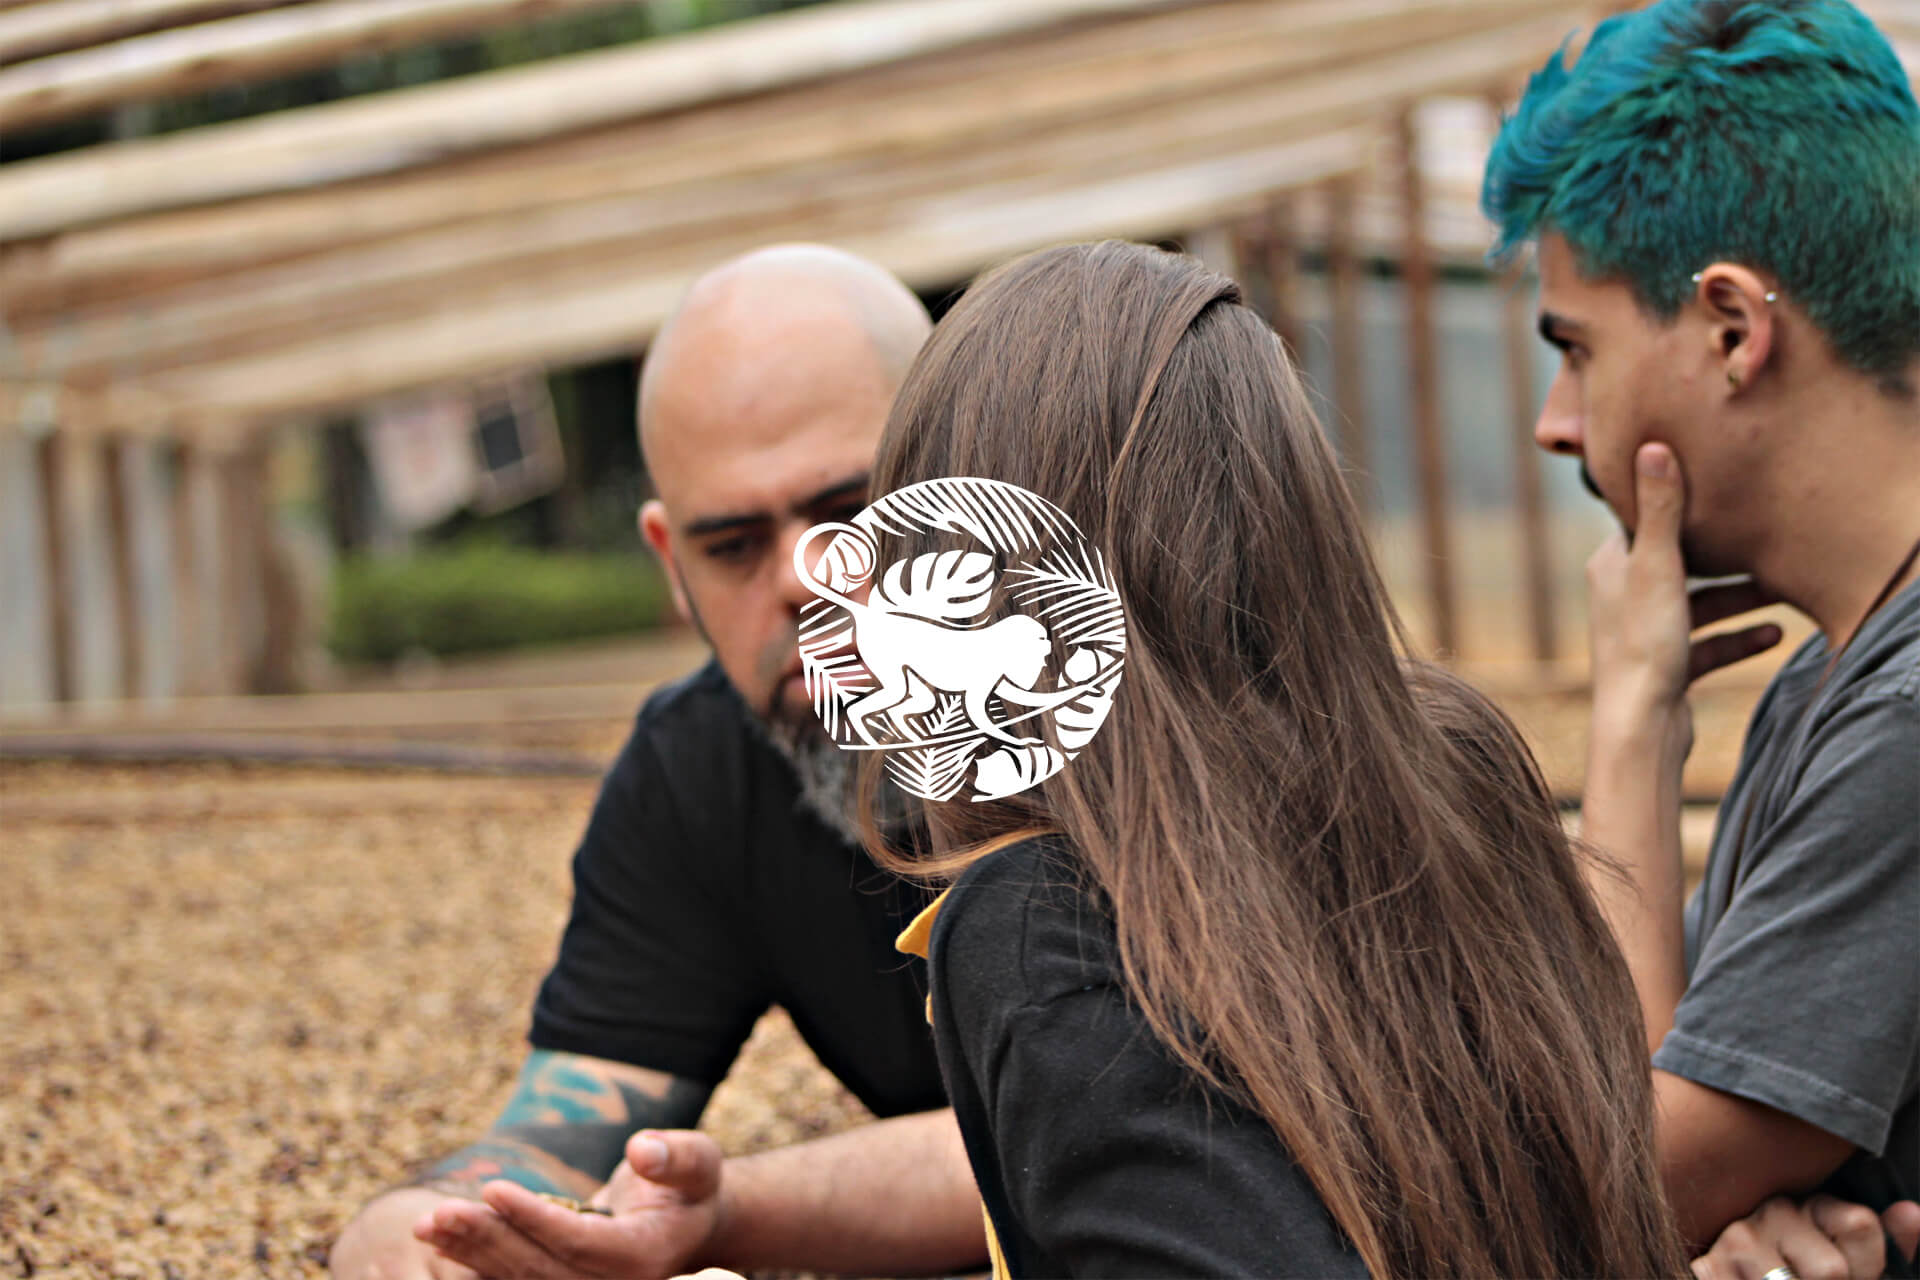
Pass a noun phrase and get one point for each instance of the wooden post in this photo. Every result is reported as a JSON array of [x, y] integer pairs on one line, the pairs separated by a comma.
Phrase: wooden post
[[1255, 291], [122, 569], [1429, 434], [1536, 538], [84, 534], [1536, 545], [1215, 246], [155, 607], [194, 551], [50, 462], [1348, 341], [279, 609], [1280, 263], [242, 513]]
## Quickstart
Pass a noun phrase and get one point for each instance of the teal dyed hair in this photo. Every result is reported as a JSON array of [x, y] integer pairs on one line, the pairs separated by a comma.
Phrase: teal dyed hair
[[1782, 136]]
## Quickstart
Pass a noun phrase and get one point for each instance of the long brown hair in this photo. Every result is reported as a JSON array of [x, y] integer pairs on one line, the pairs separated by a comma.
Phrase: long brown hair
[[1341, 889]]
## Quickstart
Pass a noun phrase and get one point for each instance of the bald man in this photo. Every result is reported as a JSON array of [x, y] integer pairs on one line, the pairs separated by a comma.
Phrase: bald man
[[719, 874]]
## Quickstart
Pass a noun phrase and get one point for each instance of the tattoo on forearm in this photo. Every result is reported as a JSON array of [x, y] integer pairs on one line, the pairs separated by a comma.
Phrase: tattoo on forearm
[[467, 1170], [567, 1125]]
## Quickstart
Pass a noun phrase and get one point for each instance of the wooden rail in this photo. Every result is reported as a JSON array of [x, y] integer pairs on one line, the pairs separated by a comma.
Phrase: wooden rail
[[50, 26], [213, 54], [364, 137]]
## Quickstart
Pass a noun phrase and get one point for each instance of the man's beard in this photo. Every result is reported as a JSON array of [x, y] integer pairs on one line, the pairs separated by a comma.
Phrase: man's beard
[[829, 778]]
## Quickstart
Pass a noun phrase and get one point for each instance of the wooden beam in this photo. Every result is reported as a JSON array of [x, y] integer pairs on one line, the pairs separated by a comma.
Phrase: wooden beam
[[276, 304], [1429, 424], [1347, 337], [610, 311], [49, 26], [1895, 18], [241, 50], [461, 713], [144, 745], [116, 410], [993, 97], [386, 132], [1457, 232]]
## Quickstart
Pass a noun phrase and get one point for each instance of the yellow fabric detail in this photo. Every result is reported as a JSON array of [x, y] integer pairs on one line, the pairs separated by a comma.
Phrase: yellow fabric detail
[[914, 938], [913, 941], [994, 1255]]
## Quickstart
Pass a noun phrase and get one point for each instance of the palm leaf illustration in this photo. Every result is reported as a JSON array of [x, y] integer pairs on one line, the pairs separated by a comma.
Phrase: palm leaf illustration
[[950, 585], [949, 715], [1077, 596], [1079, 720], [1011, 770], [832, 685], [933, 773], [824, 625], [1001, 515], [830, 664]]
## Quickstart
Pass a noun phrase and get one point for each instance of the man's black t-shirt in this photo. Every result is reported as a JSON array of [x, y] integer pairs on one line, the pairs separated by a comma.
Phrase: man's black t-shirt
[[703, 893]]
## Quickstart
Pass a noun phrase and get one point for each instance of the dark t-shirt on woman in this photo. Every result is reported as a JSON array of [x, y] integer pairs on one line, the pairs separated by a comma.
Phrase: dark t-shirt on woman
[[1095, 1152]]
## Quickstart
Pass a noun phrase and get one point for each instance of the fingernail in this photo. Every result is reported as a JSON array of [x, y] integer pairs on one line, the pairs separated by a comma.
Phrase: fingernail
[[653, 1154], [1657, 463]]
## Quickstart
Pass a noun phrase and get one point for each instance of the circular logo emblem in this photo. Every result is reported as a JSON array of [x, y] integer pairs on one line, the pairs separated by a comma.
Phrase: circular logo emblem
[[953, 662]]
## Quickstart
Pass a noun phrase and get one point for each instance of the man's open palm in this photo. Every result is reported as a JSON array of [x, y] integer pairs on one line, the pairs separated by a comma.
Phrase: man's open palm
[[665, 1203]]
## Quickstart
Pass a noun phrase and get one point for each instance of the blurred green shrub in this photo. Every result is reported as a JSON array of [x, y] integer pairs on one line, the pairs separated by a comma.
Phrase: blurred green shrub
[[477, 597]]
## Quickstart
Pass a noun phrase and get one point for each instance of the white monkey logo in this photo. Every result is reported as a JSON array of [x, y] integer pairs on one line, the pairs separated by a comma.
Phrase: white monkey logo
[[916, 669]]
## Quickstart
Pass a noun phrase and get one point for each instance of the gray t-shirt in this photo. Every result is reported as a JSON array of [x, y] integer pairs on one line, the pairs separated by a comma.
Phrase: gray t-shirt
[[1803, 942]]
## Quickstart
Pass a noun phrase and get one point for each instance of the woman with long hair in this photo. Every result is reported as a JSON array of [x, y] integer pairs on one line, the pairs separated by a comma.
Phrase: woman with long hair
[[1292, 970]]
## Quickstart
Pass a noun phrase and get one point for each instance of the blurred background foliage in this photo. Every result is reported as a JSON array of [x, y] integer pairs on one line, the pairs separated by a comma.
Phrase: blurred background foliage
[[483, 595]]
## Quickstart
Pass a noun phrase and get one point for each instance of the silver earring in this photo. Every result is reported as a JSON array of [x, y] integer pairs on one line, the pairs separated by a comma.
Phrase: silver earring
[[1772, 296]]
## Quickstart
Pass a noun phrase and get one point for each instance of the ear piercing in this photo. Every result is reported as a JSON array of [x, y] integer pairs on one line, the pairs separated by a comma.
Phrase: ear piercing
[[1772, 295]]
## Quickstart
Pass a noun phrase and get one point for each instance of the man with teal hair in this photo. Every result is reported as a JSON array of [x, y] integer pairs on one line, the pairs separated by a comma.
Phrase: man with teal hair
[[1725, 199]]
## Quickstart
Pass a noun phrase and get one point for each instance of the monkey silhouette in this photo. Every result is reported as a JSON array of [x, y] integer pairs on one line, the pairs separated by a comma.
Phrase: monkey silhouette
[[900, 648]]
